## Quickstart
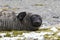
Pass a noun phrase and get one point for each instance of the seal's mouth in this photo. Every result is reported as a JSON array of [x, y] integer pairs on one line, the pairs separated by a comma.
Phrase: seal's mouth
[[36, 24]]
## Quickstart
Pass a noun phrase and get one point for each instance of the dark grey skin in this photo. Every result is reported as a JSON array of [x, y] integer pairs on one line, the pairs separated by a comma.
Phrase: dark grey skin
[[23, 21]]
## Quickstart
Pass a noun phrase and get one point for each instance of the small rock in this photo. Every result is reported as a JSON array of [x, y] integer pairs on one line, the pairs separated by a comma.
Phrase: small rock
[[54, 29]]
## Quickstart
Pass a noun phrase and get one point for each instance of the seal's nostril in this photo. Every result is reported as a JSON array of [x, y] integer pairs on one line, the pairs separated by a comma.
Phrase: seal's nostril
[[36, 24]]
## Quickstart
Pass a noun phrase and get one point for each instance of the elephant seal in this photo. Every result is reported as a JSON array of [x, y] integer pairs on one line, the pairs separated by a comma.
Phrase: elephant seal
[[22, 21]]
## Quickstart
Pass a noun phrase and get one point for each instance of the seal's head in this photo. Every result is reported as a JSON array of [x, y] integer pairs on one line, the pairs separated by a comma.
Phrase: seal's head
[[36, 20]]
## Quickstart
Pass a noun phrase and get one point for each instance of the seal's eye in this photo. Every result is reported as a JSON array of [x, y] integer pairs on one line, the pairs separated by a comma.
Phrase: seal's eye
[[21, 15]]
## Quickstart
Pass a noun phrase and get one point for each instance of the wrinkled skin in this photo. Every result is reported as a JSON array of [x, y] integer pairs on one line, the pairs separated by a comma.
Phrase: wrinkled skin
[[23, 21]]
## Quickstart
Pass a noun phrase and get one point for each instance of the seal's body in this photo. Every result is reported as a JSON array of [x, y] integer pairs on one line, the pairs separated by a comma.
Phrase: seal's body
[[23, 21]]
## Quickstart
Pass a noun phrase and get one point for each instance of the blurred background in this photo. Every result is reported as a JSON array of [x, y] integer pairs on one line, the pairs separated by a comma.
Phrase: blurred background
[[49, 10]]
